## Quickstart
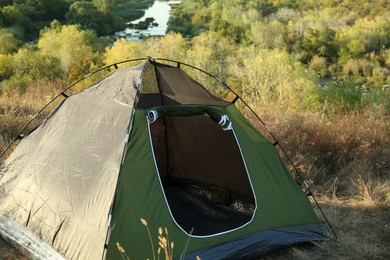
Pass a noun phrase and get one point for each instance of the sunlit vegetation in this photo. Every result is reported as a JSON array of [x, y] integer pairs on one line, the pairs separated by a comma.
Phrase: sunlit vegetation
[[318, 72], [25, 18], [344, 39]]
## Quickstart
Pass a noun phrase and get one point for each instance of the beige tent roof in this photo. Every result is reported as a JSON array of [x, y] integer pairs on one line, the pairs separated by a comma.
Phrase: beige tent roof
[[56, 189]]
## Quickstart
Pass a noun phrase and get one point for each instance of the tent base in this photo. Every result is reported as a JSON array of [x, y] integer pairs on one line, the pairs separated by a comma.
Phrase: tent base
[[262, 243]]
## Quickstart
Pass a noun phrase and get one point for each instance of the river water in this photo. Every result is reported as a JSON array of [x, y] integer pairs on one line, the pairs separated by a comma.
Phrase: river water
[[160, 11]]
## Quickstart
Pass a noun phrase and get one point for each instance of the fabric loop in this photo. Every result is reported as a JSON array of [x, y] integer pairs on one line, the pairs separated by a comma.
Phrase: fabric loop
[[222, 121], [229, 127], [152, 116]]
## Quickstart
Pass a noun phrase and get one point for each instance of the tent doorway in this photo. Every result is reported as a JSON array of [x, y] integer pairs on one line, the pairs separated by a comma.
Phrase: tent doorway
[[203, 174]]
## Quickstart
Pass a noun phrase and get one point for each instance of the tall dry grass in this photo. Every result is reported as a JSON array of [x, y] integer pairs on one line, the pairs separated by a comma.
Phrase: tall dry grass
[[17, 107], [346, 159]]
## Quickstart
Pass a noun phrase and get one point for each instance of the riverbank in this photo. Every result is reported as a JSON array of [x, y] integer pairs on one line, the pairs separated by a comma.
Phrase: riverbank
[[154, 21]]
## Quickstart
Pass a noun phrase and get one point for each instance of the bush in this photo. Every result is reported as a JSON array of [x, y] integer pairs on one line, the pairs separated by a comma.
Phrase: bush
[[318, 64], [341, 96]]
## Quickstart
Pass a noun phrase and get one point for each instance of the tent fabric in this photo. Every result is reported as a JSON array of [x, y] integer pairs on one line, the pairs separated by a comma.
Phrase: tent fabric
[[60, 180], [84, 179], [280, 202], [171, 82], [261, 243]]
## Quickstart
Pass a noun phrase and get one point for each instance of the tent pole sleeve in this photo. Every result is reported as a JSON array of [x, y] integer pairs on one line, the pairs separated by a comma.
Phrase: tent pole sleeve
[[128, 132]]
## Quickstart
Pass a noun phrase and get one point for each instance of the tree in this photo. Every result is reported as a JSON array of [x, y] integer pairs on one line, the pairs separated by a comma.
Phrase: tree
[[69, 44], [9, 43], [6, 2], [356, 48], [274, 77], [26, 66], [321, 41], [123, 50], [6, 61], [88, 16], [12, 15], [210, 51], [104, 6], [171, 46], [366, 35], [29, 63], [318, 64], [1, 19], [267, 35], [47, 10]]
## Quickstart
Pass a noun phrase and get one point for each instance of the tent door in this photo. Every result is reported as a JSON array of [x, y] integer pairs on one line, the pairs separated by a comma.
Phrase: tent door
[[203, 174]]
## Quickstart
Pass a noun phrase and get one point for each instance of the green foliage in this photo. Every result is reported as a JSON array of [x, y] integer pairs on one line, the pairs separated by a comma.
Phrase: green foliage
[[272, 51], [88, 16], [272, 35], [210, 51], [319, 42], [365, 36], [70, 45], [273, 76], [378, 100], [335, 39], [171, 46], [15, 14], [28, 65], [123, 50], [6, 61], [31, 15], [341, 96], [318, 64], [104, 6], [129, 10], [104, 16], [8, 41]]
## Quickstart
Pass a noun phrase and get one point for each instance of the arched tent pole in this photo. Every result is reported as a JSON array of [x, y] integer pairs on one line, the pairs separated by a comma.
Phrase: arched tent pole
[[62, 93], [238, 97], [275, 140]]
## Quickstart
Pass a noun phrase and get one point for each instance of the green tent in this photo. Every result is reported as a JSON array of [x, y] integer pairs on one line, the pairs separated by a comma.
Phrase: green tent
[[148, 158]]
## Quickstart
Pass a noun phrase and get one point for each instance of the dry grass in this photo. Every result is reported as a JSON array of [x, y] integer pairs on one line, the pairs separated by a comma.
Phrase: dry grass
[[363, 233], [346, 157], [18, 107]]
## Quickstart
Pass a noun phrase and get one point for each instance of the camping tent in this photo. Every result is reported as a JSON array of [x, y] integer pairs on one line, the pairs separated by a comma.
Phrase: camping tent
[[147, 152]]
